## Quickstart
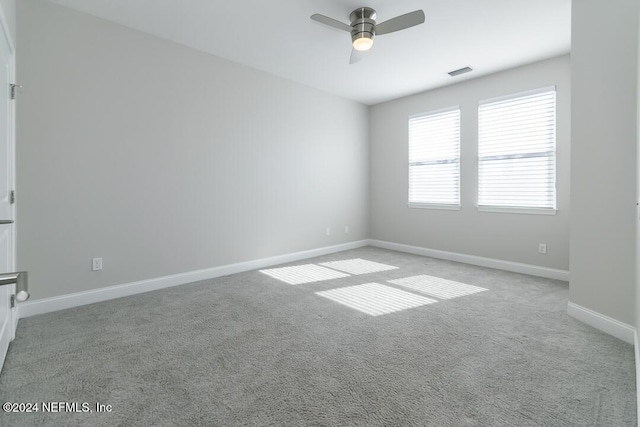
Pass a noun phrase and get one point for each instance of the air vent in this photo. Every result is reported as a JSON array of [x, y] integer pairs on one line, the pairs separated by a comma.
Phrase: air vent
[[460, 71]]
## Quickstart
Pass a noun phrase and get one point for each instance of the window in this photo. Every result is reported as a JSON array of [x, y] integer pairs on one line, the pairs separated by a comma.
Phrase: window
[[517, 153], [434, 159]]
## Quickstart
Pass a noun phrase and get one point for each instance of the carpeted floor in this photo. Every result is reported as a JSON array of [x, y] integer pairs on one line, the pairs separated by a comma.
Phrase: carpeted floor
[[250, 349]]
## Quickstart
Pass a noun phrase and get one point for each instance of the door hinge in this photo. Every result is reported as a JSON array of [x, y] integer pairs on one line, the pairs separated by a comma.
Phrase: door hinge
[[12, 301], [13, 90], [12, 197]]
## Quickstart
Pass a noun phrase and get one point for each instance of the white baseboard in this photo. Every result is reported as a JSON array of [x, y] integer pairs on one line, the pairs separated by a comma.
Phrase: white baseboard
[[47, 305], [516, 267], [604, 323]]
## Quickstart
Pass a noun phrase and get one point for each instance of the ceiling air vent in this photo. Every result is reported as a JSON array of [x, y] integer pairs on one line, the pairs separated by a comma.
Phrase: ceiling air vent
[[460, 71]]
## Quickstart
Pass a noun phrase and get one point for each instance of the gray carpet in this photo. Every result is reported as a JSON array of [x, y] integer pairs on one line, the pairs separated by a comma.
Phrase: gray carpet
[[248, 349]]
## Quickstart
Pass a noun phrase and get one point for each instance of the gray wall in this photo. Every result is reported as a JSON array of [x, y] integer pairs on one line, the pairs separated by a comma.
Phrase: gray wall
[[637, 263], [603, 172], [511, 237], [637, 324], [163, 159]]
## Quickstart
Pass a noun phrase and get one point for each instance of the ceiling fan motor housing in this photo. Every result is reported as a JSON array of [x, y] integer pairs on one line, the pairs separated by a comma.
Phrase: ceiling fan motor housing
[[363, 22]]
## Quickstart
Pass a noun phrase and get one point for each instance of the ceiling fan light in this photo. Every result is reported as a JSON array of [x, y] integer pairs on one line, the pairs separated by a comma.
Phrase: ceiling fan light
[[362, 43]]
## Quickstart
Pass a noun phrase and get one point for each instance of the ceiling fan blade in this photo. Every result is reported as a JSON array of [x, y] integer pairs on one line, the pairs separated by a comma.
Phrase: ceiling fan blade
[[330, 22], [400, 22], [356, 56]]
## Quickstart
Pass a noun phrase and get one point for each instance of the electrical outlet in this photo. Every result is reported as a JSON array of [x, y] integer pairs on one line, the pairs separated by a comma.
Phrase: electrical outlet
[[346, 229], [328, 231], [96, 264], [542, 248]]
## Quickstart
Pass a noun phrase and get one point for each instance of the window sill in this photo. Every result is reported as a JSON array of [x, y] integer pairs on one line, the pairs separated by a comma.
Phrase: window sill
[[434, 206], [526, 211]]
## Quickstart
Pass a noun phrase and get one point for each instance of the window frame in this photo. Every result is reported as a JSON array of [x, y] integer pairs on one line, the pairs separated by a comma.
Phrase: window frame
[[523, 209], [428, 205]]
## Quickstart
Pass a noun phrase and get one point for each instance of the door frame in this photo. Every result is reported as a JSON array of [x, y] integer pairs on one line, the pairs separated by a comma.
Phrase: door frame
[[6, 33]]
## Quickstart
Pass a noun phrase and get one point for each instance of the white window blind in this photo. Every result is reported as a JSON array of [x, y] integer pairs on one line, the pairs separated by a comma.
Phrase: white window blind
[[517, 150], [434, 159]]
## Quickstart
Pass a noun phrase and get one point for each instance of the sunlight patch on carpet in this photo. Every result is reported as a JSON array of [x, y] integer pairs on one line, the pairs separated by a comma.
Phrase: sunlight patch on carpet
[[298, 274], [358, 266], [437, 287], [375, 299]]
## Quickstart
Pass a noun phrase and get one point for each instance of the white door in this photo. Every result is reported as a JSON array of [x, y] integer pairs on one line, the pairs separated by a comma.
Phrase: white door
[[8, 315]]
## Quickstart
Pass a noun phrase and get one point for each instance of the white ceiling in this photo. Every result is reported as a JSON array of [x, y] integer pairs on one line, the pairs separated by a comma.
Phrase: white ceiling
[[278, 37]]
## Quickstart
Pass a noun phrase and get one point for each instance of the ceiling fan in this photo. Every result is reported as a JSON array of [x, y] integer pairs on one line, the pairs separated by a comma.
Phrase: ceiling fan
[[363, 27]]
